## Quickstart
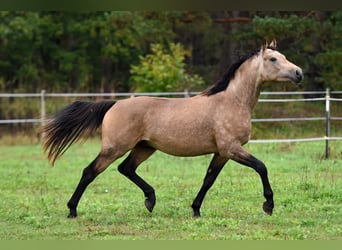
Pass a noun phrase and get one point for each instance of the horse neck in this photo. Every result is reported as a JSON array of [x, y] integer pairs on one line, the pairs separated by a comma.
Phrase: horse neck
[[245, 86]]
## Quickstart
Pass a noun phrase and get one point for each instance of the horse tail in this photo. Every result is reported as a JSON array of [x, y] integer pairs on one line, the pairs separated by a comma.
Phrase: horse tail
[[70, 124]]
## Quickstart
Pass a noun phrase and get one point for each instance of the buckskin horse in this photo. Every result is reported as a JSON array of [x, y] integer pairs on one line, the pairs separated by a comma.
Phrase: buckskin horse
[[217, 121]]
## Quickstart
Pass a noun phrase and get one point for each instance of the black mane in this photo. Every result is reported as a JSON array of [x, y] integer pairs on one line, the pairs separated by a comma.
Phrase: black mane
[[223, 83]]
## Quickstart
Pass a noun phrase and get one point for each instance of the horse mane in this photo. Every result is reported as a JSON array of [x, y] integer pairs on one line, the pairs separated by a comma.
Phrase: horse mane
[[223, 83]]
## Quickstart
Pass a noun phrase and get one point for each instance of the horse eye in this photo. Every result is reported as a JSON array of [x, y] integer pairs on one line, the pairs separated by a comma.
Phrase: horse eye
[[273, 59]]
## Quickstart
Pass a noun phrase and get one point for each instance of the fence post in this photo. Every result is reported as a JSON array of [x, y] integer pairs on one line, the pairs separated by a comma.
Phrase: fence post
[[42, 109], [186, 93], [327, 122]]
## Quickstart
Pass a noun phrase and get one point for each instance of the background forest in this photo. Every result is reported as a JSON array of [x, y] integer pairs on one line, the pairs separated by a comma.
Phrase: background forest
[[158, 51]]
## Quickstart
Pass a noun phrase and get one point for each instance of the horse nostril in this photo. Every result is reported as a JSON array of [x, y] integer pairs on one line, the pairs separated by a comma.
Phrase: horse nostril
[[299, 74]]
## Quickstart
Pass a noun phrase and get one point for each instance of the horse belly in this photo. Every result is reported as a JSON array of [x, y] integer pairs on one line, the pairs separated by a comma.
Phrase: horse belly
[[180, 150], [183, 143]]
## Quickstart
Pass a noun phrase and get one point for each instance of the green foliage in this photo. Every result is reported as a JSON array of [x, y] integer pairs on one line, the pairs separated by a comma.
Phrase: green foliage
[[18, 42], [331, 70], [330, 58], [95, 51], [68, 51], [293, 27], [163, 71]]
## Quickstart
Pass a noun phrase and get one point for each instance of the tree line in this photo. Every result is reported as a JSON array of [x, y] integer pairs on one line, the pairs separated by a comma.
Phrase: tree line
[[116, 51]]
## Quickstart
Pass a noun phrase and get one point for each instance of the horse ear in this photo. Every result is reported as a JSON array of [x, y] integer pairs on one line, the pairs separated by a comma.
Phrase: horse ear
[[264, 45], [273, 44]]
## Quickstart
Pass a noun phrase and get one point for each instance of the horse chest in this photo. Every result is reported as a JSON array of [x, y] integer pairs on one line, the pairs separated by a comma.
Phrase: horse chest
[[233, 128]]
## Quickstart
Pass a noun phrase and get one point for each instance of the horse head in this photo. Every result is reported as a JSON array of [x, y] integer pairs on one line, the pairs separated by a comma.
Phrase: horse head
[[275, 66]]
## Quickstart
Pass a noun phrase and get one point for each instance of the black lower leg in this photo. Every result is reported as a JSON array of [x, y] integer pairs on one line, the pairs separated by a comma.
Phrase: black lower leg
[[88, 176], [268, 194], [214, 169], [127, 168], [261, 169]]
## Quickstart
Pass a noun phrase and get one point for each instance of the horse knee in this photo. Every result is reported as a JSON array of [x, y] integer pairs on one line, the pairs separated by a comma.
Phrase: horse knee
[[260, 167], [257, 165]]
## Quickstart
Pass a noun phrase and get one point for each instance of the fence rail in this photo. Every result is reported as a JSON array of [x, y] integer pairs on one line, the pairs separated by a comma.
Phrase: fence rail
[[326, 97]]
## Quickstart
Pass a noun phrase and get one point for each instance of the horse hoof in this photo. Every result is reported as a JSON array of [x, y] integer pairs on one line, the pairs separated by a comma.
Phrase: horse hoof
[[72, 216], [149, 205], [197, 214], [268, 209], [196, 210]]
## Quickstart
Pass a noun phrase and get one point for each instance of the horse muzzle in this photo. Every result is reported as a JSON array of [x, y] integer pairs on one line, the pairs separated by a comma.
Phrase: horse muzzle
[[298, 75]]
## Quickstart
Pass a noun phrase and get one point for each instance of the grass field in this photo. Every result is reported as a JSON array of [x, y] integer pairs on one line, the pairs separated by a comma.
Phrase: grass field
[[307, 192]]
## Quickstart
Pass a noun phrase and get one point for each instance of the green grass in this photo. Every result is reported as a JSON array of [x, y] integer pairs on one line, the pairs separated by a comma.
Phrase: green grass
[[307, 193]]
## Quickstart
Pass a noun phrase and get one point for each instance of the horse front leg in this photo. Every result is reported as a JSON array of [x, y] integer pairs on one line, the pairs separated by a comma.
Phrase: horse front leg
[[214, 169], [244, 158]]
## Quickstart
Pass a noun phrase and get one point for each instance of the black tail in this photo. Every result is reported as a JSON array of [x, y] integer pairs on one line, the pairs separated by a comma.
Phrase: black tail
[[70, 124]]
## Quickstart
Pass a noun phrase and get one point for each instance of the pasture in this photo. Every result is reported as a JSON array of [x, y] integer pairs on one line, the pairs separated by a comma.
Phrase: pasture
[[307, 194]]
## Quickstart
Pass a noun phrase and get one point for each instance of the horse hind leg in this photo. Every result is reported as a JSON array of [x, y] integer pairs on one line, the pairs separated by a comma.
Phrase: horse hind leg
[[128, 168], [97, 166], [88, 175]]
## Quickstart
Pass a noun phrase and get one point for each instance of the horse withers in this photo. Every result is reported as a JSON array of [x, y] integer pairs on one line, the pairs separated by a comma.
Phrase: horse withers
[[216, 121]]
